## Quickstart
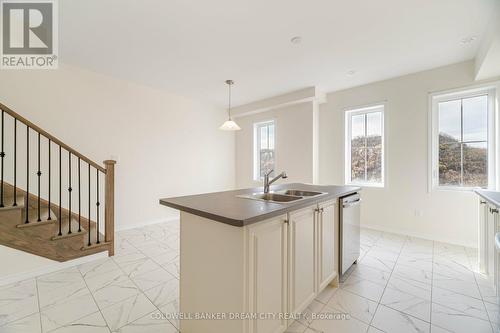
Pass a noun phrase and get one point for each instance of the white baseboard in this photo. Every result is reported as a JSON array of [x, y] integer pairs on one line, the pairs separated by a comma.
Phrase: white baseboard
[[144, 224], [419, 235], [56, 266]]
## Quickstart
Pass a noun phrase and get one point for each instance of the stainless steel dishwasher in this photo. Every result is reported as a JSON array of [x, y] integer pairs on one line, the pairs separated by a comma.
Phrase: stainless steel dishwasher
[[349, 225]]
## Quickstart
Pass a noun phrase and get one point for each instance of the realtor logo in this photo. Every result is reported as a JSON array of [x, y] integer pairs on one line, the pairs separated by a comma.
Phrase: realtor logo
[[29, 34]]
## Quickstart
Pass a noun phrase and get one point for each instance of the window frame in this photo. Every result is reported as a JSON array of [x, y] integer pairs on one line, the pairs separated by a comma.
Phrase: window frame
[[348, 114], [446, 96], [256, 147]]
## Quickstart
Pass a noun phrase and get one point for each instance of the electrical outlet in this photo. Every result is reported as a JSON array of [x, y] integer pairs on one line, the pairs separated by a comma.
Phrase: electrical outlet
[[419, 213]]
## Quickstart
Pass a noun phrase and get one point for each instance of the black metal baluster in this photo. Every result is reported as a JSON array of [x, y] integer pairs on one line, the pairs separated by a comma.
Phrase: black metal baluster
[[50, 210], [60, 191], [97, 205], [39, 174], [27, 173], [79, 199], [15, 161], [89, 243], [2, 155], [69, 193]]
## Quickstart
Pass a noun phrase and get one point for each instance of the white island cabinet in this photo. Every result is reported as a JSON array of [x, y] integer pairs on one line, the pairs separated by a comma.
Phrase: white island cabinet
[[254, 277], [327, 243], [267, 274]]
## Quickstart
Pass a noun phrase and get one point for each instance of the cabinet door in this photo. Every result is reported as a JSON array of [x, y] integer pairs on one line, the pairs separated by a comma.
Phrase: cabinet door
[[491, 248], [267, 274], [326, 244], [302, 258], [483, 237]]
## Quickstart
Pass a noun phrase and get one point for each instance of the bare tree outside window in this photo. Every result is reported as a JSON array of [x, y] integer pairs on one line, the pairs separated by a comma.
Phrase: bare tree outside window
[[365, 146], [265, 149], [463, 142]]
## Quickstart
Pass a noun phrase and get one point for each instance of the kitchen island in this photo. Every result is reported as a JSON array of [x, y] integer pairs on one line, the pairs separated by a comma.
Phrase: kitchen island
[[248, 264]]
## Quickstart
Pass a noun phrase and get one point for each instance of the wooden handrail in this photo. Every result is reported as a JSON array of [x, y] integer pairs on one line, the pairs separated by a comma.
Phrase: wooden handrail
[[51, 137]]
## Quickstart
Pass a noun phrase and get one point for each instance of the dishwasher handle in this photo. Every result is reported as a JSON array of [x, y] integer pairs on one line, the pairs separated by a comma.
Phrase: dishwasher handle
[[351, 203]]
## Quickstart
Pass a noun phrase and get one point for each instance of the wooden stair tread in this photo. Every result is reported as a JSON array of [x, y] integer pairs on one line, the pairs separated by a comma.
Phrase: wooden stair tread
[[41, 237], [8, 202], [102, 244], [93, 236], [33, 215], [65, 229]]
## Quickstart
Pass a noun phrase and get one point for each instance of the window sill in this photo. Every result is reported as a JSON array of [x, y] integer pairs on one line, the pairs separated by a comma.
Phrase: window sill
[[368, 185], [457, 189]]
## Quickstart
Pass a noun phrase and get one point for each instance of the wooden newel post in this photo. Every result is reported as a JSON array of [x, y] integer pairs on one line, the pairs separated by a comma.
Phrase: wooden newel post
[[109, 209]]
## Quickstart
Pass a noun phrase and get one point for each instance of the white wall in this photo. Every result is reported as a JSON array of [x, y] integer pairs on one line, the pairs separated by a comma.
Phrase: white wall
[[294, 144], [404, 205], [446, 215], [166, 145]]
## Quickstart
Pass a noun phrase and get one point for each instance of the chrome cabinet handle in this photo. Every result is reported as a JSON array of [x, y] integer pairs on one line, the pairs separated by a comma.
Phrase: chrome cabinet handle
[[493, 210], [482, 202]]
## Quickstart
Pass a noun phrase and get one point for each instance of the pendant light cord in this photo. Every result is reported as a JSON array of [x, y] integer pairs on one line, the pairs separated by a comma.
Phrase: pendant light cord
[[229, 109]]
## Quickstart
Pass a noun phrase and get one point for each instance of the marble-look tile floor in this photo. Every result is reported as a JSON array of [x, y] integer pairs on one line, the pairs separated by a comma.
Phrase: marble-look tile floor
[[401, 284], [124, 294]]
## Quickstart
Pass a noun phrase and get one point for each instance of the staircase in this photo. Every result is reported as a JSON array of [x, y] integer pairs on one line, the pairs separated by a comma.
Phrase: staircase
[[54, 201]]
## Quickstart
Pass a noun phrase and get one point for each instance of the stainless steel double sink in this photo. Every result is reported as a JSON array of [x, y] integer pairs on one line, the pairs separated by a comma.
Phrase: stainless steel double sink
[[282, 196]]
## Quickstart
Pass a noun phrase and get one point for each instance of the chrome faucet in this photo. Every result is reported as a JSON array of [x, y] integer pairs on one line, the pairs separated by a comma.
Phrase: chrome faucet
[[268, 182]]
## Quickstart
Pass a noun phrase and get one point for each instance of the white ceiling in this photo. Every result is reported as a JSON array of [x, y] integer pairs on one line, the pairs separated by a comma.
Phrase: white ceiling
[[191, 47]]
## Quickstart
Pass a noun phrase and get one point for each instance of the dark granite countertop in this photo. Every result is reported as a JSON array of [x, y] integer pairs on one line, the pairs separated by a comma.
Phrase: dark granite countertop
[[491, 196], [228, 208]]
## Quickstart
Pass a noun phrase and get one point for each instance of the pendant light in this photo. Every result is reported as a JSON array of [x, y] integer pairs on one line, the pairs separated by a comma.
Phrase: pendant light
[[229, 124]]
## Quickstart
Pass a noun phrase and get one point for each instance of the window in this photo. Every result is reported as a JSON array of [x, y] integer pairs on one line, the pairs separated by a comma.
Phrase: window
[[365, 146], [462, 140], [264, 151]]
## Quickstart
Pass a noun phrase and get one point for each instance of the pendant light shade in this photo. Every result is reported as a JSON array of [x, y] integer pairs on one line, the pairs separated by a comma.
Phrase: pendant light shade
[[229, 124]]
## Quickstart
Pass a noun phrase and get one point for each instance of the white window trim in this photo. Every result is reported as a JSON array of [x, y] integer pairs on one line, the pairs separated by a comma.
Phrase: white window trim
[[256, 159], [433, 134], [348, 113]]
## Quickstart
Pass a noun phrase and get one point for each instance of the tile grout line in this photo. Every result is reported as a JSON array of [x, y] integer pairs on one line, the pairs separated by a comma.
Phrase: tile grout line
[[432, 284], [407, 314], [35, 279], [149, 257], [349, 275], [90, 293], [378, 303], [39, 308], [390, 275], [469, 268], [137, 287], [26, 316], [93, 298], [481, 294], [140, 290]]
